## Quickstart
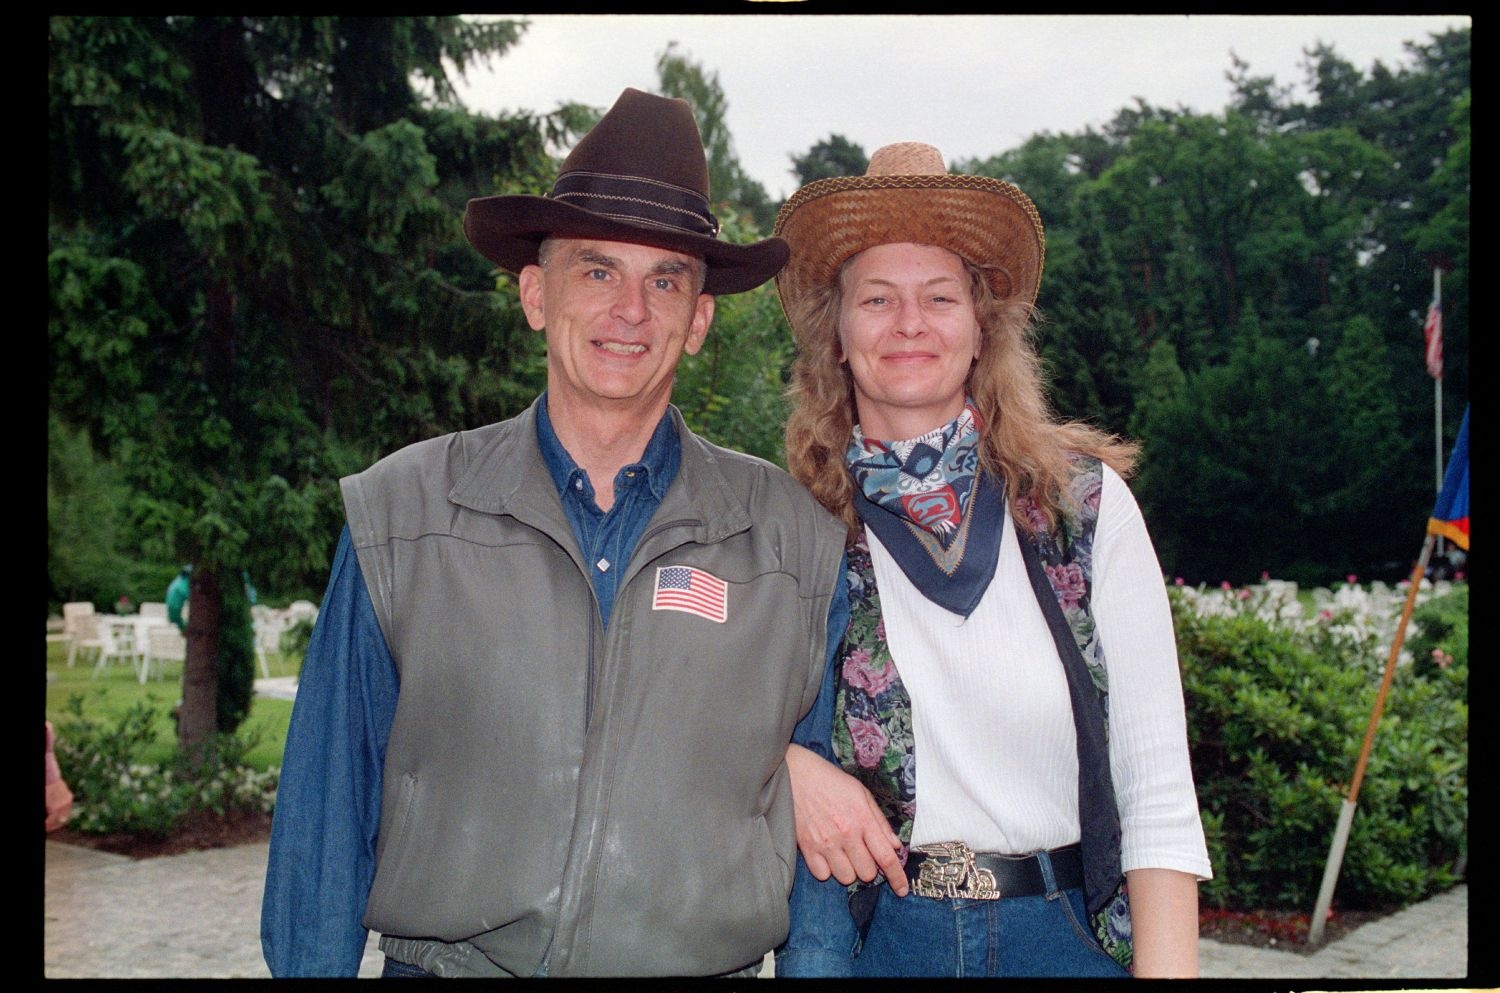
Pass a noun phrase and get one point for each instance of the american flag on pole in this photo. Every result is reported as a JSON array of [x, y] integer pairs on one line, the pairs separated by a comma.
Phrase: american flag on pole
[[1432, 335], [682, 587]]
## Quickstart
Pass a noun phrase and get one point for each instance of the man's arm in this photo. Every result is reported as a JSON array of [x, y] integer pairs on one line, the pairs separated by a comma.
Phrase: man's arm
[[322, 856]]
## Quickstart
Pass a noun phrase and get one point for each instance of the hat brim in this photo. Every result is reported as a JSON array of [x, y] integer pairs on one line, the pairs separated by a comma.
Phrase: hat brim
[[508, 230], [988, 222]]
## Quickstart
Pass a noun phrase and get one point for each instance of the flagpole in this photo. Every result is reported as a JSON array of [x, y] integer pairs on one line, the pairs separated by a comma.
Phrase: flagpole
[[1346, 813], [1437, 397]]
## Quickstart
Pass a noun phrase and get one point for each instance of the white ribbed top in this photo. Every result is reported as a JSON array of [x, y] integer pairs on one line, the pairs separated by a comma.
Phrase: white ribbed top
[[997, 763]]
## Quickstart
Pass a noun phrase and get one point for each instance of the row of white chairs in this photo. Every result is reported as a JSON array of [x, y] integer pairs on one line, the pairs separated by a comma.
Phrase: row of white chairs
[[149, 640], [146, 641]]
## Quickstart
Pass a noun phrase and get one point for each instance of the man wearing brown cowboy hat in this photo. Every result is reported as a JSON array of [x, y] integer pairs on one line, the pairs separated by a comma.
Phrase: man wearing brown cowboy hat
[[542, 722]]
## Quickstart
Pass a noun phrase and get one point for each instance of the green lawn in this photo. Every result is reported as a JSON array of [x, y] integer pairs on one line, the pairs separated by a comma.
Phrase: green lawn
[[117, 688]]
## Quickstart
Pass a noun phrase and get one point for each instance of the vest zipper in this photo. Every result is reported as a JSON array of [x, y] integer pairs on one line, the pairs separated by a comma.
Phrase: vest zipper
[[594, 630], [588, 704]]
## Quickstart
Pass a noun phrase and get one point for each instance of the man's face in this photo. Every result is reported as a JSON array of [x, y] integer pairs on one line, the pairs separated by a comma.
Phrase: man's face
[[618, 317]]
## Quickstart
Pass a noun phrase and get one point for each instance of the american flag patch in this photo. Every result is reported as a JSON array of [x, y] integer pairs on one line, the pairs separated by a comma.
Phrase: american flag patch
[[681, 587]]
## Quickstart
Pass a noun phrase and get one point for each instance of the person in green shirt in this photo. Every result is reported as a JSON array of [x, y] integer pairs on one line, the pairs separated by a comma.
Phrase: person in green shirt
[[177, 597]]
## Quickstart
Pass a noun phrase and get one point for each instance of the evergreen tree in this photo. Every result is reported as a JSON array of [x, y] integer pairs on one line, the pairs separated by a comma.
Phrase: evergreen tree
[[728, 182], [831, 157], [254, 272]]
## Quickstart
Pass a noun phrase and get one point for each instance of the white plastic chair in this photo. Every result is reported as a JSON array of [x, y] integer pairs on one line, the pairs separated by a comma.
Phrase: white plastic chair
[[118, 637], [76, 630], [164, 643], [82, 628], [299, 609], [270, 625]]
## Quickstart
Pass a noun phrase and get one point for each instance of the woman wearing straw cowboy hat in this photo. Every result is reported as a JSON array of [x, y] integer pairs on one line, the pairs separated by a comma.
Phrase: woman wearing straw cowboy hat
[[1002, 738]]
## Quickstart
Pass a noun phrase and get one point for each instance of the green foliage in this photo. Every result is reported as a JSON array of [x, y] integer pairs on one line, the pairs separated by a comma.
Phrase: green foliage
[[728, 183], [115, 790], [829, 158], [236, 659], [256, 281], [733, 391], [297, 636], [86, 559], [1275, 720], [1234, 447], [112, 790], [1439, 638], [109, 694]]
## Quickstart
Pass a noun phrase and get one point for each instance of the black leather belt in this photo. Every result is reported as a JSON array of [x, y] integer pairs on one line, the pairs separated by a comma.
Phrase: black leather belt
[[951, 869]]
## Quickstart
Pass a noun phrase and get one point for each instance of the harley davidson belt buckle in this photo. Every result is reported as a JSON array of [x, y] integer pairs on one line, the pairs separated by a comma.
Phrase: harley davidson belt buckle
[[948, 871]]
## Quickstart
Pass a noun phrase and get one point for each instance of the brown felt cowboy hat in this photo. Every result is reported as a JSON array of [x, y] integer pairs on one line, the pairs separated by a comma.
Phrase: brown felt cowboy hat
[[908, 195], [639, 176]]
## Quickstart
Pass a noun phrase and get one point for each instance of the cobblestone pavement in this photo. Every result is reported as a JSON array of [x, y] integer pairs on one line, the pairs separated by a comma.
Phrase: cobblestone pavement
[[198, 916]]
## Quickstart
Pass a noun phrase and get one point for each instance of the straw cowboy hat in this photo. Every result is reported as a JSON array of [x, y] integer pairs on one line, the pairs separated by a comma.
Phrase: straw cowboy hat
[[908, 195], [639, 176]]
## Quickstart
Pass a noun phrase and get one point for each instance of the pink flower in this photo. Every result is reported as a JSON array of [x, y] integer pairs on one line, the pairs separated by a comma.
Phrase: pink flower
[[1031, 513], [869, 742], [1325, 614], [1265, 574], [1178, 580], [1459, 575], [1351, 579], [1244, 594], [859, 673], [1442, 658], [1225, 585], [1067, 580]]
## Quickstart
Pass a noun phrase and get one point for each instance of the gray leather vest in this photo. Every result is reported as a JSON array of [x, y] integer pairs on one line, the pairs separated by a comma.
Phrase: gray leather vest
[[606, 802]]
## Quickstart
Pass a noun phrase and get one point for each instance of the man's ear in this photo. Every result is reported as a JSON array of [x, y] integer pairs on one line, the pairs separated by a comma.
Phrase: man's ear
[[703, 316], [532, 296]]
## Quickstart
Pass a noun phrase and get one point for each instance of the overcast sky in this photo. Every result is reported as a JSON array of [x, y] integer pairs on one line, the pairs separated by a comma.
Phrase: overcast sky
[[974, 86]]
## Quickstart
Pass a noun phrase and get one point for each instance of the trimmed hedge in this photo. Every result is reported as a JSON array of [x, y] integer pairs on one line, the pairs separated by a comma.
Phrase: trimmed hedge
[[1277, 714]]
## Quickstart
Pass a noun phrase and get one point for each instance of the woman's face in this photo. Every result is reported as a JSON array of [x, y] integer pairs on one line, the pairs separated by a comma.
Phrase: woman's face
[[908, 330]]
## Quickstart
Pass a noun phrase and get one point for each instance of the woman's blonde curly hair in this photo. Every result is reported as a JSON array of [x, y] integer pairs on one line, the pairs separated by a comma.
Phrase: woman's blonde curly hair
[[1022, 441]]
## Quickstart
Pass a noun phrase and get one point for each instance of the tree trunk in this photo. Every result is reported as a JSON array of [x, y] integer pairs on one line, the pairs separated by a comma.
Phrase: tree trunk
[[197, 720]]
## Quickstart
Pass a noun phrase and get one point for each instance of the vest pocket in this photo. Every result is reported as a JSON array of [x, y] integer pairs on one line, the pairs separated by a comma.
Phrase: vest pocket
[[391, 850]]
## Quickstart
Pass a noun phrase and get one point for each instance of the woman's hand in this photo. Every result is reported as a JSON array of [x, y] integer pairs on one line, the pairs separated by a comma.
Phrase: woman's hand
[[840, 830]]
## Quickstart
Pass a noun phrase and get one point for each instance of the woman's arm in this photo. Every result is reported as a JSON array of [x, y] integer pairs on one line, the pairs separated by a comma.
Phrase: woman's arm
[[840, 830], [1164, 923]]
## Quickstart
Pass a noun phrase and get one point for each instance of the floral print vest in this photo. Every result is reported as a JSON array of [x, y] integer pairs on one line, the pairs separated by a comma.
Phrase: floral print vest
[[872, 732]]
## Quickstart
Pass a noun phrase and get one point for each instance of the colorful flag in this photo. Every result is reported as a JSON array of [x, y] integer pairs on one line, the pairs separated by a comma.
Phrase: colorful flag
[[1450, 515], [682, 587], [1432, 334]]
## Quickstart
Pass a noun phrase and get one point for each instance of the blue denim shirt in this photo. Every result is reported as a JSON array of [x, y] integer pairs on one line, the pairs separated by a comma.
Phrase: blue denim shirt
[[822, 936], [322, 854], [608, 537]]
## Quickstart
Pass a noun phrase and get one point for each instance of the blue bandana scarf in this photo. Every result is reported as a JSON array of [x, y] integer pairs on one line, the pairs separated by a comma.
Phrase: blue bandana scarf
[[933, 509]]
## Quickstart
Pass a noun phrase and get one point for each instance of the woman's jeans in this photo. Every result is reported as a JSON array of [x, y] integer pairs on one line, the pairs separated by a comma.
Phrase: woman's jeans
[[1015, 936]]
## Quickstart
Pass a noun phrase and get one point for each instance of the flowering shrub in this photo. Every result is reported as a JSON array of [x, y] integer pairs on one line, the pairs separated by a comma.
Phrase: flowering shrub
[[1279, 697], [112, 792]]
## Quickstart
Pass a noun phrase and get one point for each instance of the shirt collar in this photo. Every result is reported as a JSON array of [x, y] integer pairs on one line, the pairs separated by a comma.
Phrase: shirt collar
[[659, 461]]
